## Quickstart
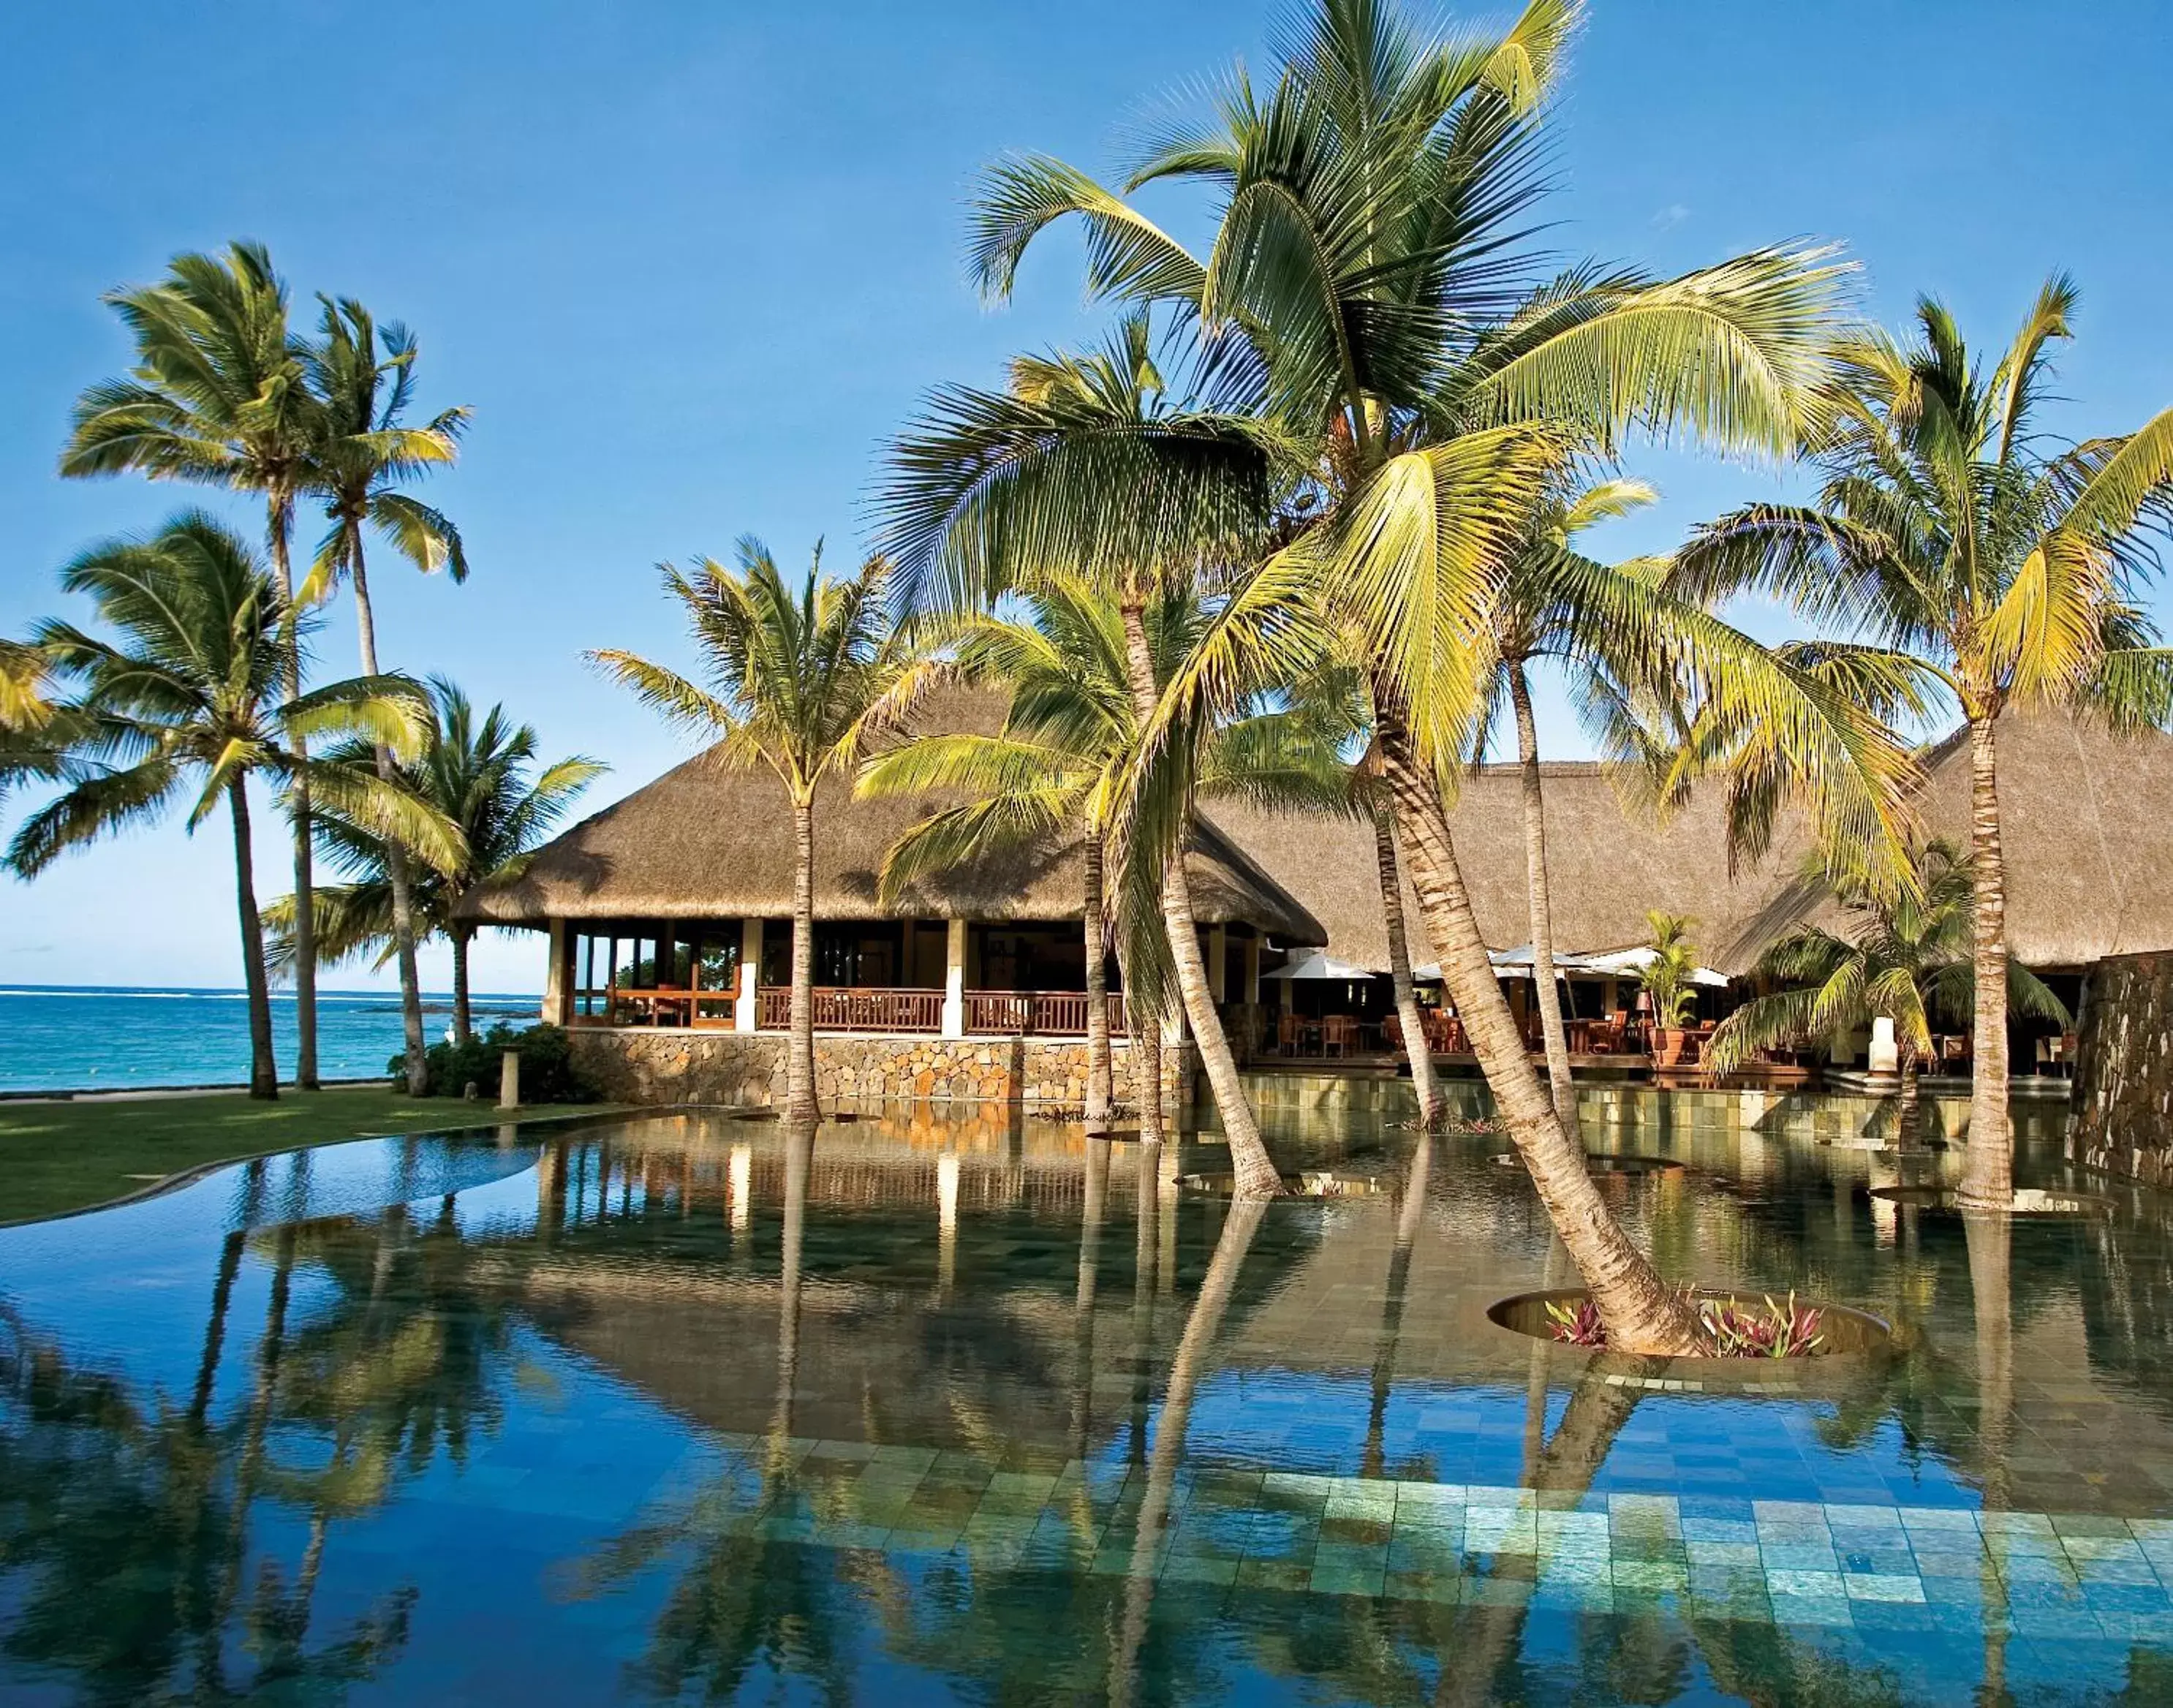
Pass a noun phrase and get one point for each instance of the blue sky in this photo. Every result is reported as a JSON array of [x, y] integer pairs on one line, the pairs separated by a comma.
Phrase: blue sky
[[691, 264]]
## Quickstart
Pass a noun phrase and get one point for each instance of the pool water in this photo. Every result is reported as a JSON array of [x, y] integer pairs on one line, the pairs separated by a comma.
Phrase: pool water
[[683, 1409]]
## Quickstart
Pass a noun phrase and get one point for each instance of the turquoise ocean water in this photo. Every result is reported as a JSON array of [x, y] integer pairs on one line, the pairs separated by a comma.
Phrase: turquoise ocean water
[[80, 1037]]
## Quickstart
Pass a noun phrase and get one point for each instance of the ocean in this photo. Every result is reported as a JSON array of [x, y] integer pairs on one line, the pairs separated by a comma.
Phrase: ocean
[[94, 1038]]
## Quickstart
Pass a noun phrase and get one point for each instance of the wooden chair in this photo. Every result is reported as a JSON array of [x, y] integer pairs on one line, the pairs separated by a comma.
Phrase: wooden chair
[[1336, 1032], [1392, 1032], [1287, 1034]]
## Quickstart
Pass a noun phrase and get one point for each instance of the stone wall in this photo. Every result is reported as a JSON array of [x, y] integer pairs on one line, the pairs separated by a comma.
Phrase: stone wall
[[644, 1064], [2123, 1100]]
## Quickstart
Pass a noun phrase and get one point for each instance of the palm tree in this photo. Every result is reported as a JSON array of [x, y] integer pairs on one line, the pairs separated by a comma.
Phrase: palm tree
[[189, 695], [363, 385], [476, 773], [799, 680], [1364, 307], [1616, 635], [1083, 468], [1905, 956], [1958, 542], [219, 396], [1068, 735]]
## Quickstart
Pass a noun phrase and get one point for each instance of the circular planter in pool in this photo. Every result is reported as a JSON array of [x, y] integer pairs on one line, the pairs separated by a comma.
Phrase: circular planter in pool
[[2029, 1201], [1608, 1165], [1312, 1183], [1856, 1345]]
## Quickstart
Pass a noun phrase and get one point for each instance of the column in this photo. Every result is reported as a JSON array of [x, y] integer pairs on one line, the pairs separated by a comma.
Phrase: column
[[1252, 969], [1218, 961], [747, 1009], [554, 977], [954, 978]]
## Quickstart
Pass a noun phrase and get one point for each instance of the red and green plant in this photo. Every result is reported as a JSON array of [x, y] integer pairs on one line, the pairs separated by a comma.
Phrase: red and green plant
[[1736, 1331], [1576, 1322], [1732, 1328]]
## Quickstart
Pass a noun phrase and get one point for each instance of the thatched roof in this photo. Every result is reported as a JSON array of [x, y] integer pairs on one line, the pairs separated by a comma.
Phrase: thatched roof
[[2086, 825], [2087, 819], [705, 842], [1606, 869]]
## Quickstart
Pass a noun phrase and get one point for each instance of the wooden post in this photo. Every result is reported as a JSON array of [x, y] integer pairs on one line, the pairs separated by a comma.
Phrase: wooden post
[[554, 977], [1252, 969], [954, 978], [1218, 961], [746, 1010]]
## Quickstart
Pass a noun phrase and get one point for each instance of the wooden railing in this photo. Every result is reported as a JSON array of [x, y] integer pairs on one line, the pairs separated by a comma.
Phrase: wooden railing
[[841, 1008], [1035, 1013], [656, 1005]]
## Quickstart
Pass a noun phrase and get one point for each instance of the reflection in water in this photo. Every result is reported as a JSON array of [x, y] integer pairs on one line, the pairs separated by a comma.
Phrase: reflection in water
[[712, 1409]]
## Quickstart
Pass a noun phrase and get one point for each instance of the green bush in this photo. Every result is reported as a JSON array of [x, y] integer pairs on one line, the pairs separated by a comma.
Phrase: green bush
[[548, 1073]]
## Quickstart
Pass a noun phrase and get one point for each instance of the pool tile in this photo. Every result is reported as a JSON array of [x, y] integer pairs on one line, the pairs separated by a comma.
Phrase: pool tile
[[1797, 1585], [1883, 1586]]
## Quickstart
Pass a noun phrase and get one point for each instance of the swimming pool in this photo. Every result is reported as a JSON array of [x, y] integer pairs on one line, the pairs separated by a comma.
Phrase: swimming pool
[[961, 1407]]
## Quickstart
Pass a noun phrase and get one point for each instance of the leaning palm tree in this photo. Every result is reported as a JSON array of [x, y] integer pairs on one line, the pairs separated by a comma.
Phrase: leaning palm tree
[[358, 462], [476, 773], [1053, 770], [1084, 467], [1367, 306], [1952, 535], [1611, 630], [1907, 956], [189, 695], [219, 396], [795, 679]]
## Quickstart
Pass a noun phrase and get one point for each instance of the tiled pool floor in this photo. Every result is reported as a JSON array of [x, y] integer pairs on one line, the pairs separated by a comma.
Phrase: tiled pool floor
[[669, 1410]]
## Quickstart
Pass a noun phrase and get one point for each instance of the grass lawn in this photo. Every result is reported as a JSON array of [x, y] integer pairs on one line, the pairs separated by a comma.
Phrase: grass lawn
[[63, 1156]]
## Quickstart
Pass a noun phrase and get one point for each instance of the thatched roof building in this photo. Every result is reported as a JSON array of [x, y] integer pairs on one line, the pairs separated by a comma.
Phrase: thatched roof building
[[2087, 819], [706, 842]]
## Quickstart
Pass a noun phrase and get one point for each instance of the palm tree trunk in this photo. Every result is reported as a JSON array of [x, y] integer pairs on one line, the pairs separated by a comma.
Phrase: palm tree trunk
[[1186, 1366], [1411, 1217], [222, 1294], [1425, 1083], [1145, 1033], [1641, 1313], [1544, 990], [1256, 1174], [1099, 1083], [1988, 1173], [800, 1105], [263, 1068], [1097, 1184], [1909, 1110], [396, 856], [279, 524], [463, 1013]]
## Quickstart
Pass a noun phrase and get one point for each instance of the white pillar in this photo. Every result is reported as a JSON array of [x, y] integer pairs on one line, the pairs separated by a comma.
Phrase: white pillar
[[1218, 961], [747, 1009], [1885, 1052], [954, 978], [554, 977], [1253, 970]]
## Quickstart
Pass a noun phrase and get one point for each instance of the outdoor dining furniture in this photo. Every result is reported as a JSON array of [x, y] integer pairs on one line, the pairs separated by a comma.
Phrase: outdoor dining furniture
[[1338, 1033]]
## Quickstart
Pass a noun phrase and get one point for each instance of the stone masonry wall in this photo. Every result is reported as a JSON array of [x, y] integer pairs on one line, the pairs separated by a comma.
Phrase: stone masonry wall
[[641, 1064], [2123, 1100]]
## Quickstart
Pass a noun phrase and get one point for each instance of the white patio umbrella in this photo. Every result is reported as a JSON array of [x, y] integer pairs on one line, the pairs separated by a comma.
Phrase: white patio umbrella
[[1629, 962], [1319, 963]]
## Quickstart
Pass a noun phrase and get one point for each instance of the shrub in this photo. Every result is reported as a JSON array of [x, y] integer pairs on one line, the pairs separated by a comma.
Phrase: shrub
[[1789, 1331], [1579, 1324], [548, 1073], [1733, 1330]]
